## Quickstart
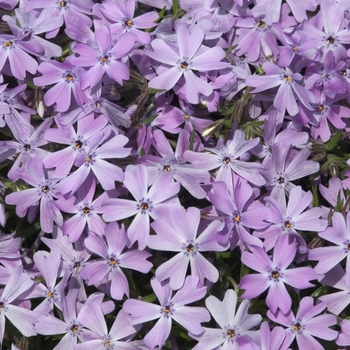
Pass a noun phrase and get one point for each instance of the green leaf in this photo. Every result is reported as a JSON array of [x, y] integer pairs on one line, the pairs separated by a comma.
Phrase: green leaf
[[190, 147], [150, 119], [316, 201], [175, 8], [153, 91], [160, 14], [332, 143]]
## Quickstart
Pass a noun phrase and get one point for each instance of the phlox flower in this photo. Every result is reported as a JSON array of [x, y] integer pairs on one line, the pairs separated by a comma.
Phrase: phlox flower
[[292, 218], [69, 10], [240, 211], [305, 325], [170, 308], [172, 235], [94, 161], [122, 17], [78, 141], [286, 167], [336, 278], [86, 211], [339, 234], [274, 273], [104, 59], [286, 80], [344, 336], [113, 257], [66, 77], [28, 146], [225, 158], [23, 319], [50, 267], [28, 25], [153, 202], [189, 57], [174, 163], [91, 316], [43, 191], [234, 332], [13, 52]]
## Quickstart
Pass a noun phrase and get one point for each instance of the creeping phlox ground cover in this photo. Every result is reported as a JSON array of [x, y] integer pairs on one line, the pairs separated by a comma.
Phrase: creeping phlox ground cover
[[174, 174]]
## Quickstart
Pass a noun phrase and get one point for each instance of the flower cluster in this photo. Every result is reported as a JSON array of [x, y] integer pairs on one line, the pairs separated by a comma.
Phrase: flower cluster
[[174, 174]]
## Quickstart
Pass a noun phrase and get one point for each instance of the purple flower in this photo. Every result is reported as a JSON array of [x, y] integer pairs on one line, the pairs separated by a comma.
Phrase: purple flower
[[44, 191], [23, 319], [273, 274], [78, 141], [234, 330], [173, 236], [91, 316], [66, 77], [105, 59], [339, 234], [225, 157], [188, 57], [285, 167], [113, 257], [344, 336], [305, 325], [122, 19], [190, 317], [291, 219], [94, 161], [241, 213], [288, 88], [86, 211], [147, 203]]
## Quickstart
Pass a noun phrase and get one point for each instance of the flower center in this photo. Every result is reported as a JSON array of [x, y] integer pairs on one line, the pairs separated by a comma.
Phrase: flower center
[[45, 189], [166, 168], [112, 262], [190, 248], [144, 206], [297, 327], [107, 342], [50, 294], [26, 147], [287, 78], [128, 23], [8, 43], [226, 160], [231, 333], [104, 59], [320, 108], [97, 104], [78, 144], [184, 65], [237, 218], [75, 328], [77, 266], [275, 274], [261, 24], [166, 309], [287, 224], [330, 40], [280, 180], [186, 116], [63, 3], [295, 49], [88, 159], [69, 77], [86, 210]]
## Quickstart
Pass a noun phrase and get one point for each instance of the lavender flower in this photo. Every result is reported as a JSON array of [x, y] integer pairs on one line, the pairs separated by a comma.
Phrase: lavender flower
[[305, 325], [113, 257], [173, 236], [189, 317], [234, 330], [274, 274]]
